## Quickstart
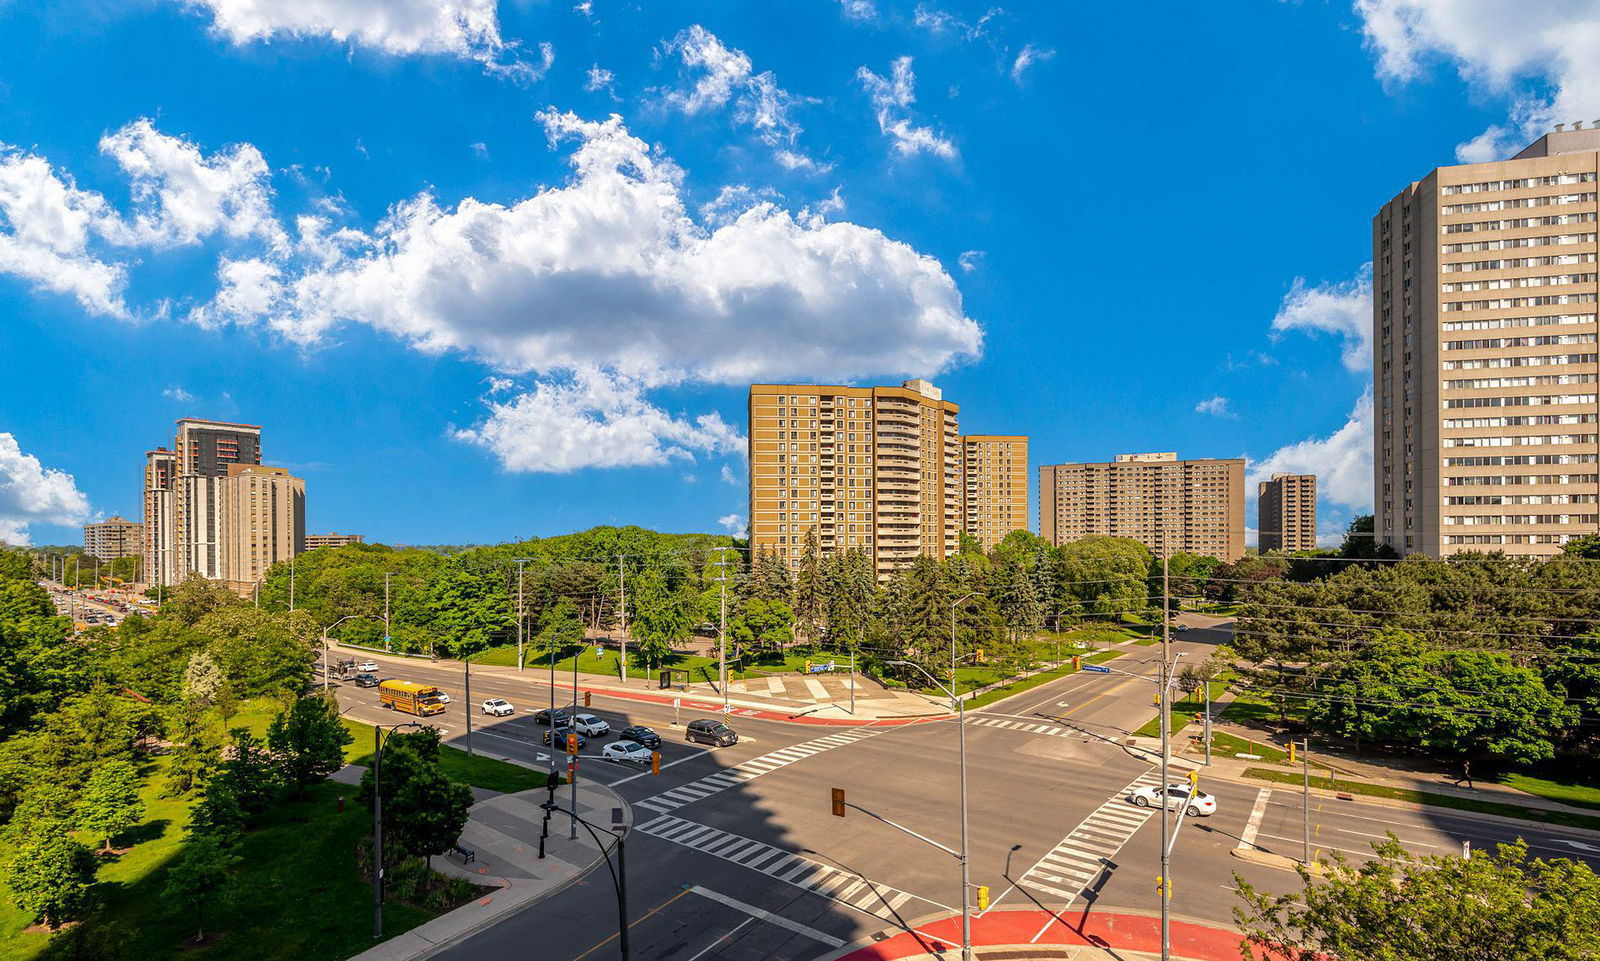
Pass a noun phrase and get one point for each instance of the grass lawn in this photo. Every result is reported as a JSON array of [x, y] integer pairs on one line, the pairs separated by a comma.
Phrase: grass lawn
[[478, 771], [1182, 712], [1017, 687], [1423, 797], [1229, 745], [1105, 656], [607, 664], [1580, 795]]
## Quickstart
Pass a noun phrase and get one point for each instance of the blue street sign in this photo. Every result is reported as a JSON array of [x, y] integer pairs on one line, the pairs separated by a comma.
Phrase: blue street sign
[[1096, 669]]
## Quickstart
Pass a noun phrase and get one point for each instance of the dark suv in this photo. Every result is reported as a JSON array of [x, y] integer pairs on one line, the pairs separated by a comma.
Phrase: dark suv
[[366, 680], [543, 717], [711, 731]]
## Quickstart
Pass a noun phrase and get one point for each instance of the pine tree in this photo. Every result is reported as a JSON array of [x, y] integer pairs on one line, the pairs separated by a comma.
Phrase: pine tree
[[201, 877]]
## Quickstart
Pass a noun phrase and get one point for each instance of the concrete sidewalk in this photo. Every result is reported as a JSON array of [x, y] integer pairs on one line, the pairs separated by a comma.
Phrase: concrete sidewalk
[[503, 832]]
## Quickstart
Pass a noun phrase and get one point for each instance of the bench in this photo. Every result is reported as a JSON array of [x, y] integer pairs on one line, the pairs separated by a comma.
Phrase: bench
[[467, 854]]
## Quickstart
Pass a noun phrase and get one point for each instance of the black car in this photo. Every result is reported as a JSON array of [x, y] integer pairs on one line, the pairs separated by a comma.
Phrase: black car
[[366, 680], [559, 734], [543, 717], [711, 731], [642, 735]]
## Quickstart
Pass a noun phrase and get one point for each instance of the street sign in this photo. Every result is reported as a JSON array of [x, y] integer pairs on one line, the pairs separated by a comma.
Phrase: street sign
[[1097, 669]]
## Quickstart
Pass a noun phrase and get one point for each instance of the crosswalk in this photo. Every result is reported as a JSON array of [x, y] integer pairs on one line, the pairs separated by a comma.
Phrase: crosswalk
[[824, 880], [1070, 866], [753, 768], [1029, 727]]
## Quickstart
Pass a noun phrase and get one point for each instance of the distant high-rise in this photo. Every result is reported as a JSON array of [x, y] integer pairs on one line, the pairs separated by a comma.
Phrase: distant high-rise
[[314, 541], [113, 538], [1485, 360], [160, 517], [1286, 513], [875, 469], [994, 486], [1156, 499], [261, 514], [205, 449]]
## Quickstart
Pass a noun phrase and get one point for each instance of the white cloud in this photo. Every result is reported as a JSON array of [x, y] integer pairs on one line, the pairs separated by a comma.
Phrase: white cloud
[[1029, 56], [178, 394], [599, 78], [460, 28], [891, 99], [480, 150], [1514, 51], [1215, 406], [1343, 309], [971, 260], [1342, 461], [859, 9], [732, 523], [593, 420], [31, 493], [728, 476], [724, 75], [46, 227], [939, 21], [584, 8]]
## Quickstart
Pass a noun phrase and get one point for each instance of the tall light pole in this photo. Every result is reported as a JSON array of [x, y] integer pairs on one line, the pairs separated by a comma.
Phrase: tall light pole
[[521, 617], [622, 602], [325, 631], [377, 824], [722, 631], [387, 634], [1166, 750]]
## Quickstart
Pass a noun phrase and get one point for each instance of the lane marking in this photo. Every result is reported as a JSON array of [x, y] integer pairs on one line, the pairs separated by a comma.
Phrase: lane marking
[[755, 767], [1247, 837], [767, 917], [613, 936], [1068, 868], [725, 939], [668, 764]]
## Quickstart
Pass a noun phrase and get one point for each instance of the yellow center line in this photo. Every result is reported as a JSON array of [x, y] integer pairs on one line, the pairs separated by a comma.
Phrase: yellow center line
[[632, 923]]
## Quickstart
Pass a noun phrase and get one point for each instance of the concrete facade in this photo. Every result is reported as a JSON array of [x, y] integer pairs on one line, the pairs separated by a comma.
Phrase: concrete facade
[[1484, 329], [314, 541], [994, 486], [1156, 499], [261, 514], [160, 517], [113, 538], [1286, 513]]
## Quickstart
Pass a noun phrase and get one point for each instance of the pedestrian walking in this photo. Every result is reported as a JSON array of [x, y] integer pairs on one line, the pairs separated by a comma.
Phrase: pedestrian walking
[[1466, 775]]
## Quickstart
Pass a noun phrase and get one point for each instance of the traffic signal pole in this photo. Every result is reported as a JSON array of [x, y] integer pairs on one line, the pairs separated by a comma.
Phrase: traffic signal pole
[[1166, 751]]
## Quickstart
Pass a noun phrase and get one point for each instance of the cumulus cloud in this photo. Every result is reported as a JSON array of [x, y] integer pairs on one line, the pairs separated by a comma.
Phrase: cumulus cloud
[[1029, 56], [31, 493], [599, 78], [724, 75], [1215, 406], [892, 98], [593, 420], [1342, 461], [469, 29], [1343, 309], [732, 523], [46, 227], [1513, 51]]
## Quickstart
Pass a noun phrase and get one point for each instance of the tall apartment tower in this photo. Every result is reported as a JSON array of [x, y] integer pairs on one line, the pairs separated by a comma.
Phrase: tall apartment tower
[[876, 469], [1484, 354], [1156, 499], [160, 517], [994, 486], [1286, 513], [206, 449], [113, 538], [261, 515]]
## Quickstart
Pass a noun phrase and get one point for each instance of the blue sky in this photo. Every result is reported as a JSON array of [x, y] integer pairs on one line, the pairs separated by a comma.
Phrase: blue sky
[[489, 270]]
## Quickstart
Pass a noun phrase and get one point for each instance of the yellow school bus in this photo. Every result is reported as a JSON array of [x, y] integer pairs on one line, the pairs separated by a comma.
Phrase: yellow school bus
[[410, 697]]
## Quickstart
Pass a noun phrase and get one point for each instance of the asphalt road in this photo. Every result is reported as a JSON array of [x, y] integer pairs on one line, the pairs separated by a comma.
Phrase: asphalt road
[[757, 867]]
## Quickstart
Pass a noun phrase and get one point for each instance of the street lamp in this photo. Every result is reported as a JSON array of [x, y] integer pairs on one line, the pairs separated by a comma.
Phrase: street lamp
[[377, 823], [619, 872], [961, 720]]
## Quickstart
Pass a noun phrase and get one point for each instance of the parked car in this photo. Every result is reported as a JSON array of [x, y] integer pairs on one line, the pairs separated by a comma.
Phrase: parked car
[[367, 665], [710, 730], [560, 734], [626, 752], [590, 725], [366, 680], [1201, 805], [641, 735], [498, 707], [543, 717]]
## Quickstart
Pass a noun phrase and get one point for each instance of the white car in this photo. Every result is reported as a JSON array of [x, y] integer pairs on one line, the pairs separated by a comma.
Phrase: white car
[[590, 725], [443, 697], [1201, 805], [624, 752], [368, 666], [498, 707]]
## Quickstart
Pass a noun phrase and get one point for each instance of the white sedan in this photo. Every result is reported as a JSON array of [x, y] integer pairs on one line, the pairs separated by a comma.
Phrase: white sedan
[[590, 725], [625, 752], [368, 666], [498, 707], [1201, 805]]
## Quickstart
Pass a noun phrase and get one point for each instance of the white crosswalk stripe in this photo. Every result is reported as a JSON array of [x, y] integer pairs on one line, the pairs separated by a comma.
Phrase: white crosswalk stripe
[[824, 880], [1073, 864], [1011, 724], [704, 787]]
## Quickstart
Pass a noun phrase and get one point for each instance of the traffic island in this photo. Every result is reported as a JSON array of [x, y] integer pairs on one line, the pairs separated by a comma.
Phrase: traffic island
[[1031, 933]]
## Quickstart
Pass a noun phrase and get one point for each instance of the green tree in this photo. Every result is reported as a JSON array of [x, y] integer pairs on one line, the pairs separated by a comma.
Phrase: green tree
[[201, 878], [49, 878], [263, 653], [661, 615], [1490, 907], [248, 772], [196, 747], [560, 627], [308, 741], [110, 803], [424, 811], [202, 677]]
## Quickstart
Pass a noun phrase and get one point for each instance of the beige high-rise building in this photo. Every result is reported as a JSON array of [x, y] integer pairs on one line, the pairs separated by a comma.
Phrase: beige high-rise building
[[160, 517], [1286, 513], [1484, 354], [876, 469], [262, 520], [314, 541], [113, 538], [1156, 499], [994, 486], [204, 451]]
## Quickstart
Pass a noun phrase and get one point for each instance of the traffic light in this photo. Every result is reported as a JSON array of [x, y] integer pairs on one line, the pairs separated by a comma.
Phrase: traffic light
[[980, 658], [655, 762], [1163, 890], [1194, 781], [983, 897], [588, 698], [1077, 662], [572, 743], [838, 802], [1292, 746]]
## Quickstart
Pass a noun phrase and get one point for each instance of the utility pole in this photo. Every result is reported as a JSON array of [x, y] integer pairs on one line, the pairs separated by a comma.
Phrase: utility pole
[[291, 583], [1305, 823], [572, 725], [961, 722], [852, 681], [622, 602], [466, 666], [1207, 688], [1166, 749], [387, 643], [521, 617], [722, 631]]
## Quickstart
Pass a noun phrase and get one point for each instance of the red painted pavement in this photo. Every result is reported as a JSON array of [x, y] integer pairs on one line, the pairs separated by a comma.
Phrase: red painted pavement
[[1125, 932]]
